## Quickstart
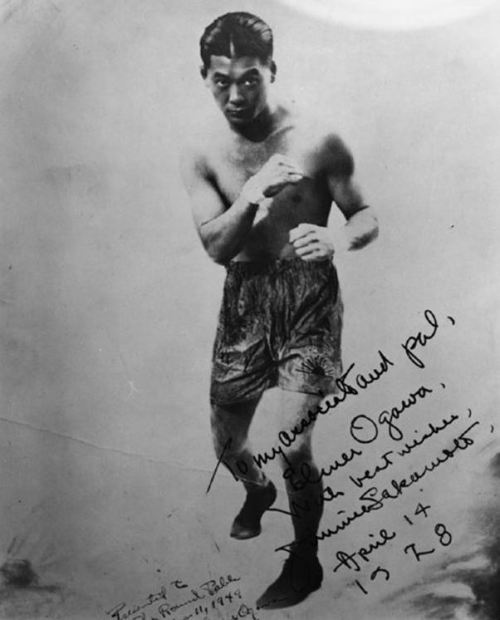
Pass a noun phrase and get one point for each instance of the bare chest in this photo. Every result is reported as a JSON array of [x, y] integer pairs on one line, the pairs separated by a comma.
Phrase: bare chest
[[233, 163]]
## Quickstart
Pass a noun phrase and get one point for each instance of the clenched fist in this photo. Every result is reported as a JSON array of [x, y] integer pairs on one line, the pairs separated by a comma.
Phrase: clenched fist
[[311, 242], [274, 175]]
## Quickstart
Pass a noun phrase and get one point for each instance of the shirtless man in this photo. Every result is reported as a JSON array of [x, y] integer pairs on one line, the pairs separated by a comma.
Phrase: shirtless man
[[261, 190]]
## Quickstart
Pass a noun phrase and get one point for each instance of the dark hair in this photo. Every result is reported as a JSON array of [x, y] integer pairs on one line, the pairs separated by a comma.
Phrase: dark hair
[[238, 34]]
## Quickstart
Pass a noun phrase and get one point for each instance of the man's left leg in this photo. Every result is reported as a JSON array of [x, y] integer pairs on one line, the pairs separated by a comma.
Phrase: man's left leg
[[302, 573]]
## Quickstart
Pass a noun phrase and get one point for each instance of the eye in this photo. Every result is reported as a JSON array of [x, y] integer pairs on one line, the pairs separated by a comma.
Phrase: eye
[[221, 82], [250, 81]]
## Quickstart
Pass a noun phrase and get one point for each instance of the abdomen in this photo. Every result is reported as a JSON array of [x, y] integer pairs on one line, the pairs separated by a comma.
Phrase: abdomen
[[294, 205]]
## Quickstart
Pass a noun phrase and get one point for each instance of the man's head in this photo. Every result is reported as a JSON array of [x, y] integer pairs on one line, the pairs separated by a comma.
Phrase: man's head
[[236, 51]]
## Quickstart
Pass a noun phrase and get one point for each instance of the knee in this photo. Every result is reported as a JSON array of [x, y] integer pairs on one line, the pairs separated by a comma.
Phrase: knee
[[302, 474], [299, 453], [225, 440], [219, 434], [299, 468], [299, 457]]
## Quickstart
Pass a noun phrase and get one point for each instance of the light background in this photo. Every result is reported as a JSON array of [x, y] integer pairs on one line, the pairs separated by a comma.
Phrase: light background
[[108, 303]]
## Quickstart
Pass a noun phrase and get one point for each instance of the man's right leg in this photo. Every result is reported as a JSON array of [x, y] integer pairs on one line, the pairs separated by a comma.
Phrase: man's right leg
[[230, 426]]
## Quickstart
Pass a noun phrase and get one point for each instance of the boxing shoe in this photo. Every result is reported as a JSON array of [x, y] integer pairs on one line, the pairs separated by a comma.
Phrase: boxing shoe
[[247, 522], [300, 576]]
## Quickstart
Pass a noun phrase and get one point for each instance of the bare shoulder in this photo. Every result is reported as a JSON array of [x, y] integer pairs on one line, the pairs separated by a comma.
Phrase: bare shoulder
[[333, 154]]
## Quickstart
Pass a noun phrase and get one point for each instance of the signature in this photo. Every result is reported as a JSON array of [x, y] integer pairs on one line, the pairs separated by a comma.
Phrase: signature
[[374, 498], [160, 603]]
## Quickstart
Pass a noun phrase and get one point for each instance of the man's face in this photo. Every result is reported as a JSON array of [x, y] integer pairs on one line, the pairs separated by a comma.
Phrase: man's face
[[239, 86]]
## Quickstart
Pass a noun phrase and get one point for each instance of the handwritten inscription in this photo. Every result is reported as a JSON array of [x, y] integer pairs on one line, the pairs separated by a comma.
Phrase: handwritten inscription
[[351, 560], [415, 551], [421, 339], [301, 478], [375, 498], [358, 488], [215, 595], [348, 388]]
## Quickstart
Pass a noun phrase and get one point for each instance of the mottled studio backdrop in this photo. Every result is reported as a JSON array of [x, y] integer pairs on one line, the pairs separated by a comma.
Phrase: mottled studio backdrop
[[108, 307]]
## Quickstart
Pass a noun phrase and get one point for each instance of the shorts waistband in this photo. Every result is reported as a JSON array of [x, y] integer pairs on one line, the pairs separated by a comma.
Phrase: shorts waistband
[[277, 265]]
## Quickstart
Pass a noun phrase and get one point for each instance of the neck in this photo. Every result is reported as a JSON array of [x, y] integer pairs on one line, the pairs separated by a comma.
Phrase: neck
[[262, 126]]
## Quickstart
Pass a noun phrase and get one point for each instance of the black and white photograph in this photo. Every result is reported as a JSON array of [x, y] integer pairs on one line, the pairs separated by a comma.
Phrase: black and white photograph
[[249, 308]]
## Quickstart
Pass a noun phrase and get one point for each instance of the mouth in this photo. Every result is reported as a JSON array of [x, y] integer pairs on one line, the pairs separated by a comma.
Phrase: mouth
[[237, 114]]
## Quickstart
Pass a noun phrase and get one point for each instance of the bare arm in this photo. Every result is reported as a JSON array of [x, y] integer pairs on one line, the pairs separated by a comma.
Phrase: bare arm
[[316, 242], [361, 225], [222, 230]]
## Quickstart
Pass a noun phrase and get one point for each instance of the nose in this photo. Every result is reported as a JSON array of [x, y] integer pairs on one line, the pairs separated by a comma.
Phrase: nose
[[235, 95]]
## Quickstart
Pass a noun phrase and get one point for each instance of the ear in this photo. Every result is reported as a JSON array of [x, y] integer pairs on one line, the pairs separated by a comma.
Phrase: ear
[[274, 70], [203, 72]]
